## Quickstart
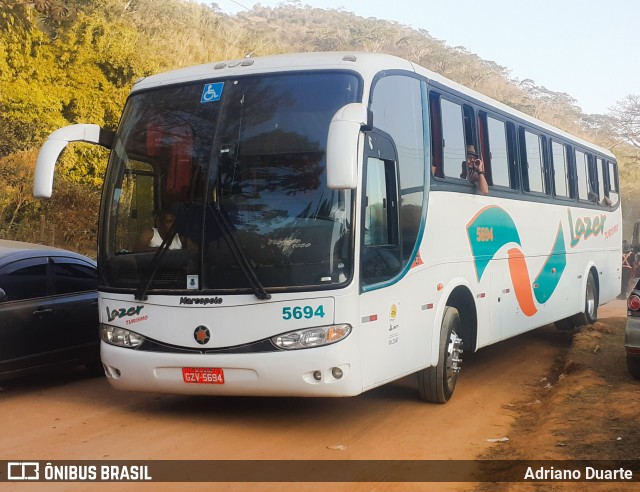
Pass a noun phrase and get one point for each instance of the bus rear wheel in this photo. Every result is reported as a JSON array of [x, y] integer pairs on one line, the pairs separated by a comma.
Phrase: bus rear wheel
[[436, 384], [590, 313]]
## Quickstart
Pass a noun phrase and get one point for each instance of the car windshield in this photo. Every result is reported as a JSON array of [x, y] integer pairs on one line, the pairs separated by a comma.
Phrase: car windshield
[[213, 183]]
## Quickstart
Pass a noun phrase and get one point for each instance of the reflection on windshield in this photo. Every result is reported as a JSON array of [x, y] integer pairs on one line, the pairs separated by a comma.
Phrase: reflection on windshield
[[255, 155]]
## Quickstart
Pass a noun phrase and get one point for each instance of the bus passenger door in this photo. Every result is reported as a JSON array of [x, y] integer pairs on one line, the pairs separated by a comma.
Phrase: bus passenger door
[[394, 333]]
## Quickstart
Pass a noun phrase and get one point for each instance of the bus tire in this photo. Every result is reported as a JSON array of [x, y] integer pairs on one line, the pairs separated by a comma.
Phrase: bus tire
[[436, 383], [590, 313], [565, 324]]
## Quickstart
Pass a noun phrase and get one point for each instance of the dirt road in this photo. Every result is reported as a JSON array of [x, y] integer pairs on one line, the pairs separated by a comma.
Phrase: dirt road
[[68, 416]]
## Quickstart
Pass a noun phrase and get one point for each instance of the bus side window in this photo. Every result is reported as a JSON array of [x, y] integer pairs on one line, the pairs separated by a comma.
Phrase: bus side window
[[592, 194], [381, 252], [435, 123], [560, 170], [612, 183], [600, 170], [453, 144], [532, 152], [498, 153], [397, 107], [582, 175]]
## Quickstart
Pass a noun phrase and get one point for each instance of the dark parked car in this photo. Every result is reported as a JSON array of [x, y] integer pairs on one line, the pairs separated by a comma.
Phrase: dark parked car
[[632, 332], [48, 309]]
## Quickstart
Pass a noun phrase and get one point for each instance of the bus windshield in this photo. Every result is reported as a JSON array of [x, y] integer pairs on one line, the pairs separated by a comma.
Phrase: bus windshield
[[215, 182]]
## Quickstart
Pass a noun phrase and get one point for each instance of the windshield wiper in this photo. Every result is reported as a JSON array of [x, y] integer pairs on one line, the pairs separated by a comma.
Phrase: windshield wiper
[[141, 292], [238, 254]]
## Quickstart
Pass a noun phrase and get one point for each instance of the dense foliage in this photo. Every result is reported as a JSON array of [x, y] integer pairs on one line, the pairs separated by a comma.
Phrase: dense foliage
[[74, 61]]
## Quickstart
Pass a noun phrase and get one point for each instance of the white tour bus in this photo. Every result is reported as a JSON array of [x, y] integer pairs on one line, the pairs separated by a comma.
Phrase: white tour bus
[[298, 225]]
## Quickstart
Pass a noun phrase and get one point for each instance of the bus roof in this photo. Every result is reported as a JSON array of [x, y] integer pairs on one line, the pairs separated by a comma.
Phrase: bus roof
[[366, 64]]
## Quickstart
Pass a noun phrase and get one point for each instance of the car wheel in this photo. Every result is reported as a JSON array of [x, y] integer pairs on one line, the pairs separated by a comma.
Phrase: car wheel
[[633, 364], [565, 324]]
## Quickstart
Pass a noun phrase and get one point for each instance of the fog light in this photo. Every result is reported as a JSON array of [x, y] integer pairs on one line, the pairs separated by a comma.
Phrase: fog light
[[336, 372], [317, 375], [112, 372]]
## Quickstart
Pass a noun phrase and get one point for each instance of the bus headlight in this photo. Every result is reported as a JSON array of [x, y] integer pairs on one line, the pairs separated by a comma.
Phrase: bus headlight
[[311, 337], [120, 336]]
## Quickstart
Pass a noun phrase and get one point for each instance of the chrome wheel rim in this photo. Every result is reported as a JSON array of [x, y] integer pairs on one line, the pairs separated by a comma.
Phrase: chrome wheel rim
[[590, 307], [453, 362]]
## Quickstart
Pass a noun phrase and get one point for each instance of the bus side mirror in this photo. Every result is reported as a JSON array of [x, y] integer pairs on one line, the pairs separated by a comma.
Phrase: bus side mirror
[[55, 144], [342, 145]]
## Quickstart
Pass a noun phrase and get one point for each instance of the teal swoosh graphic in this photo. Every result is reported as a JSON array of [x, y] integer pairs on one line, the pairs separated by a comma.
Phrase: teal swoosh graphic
[[492, 228], [503, 231], [549, 276]]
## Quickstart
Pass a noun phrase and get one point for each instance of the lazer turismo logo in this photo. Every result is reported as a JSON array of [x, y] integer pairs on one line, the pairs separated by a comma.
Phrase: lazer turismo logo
[[122, 312]]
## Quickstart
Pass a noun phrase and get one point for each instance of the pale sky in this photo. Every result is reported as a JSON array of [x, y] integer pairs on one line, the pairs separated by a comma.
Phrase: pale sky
[[589, 49]]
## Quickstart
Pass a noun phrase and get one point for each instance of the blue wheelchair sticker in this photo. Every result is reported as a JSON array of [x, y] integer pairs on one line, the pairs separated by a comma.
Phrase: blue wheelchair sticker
[[212, 92]]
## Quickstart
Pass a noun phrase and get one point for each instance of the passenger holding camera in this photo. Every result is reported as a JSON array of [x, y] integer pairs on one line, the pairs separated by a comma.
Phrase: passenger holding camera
[[473, 170]]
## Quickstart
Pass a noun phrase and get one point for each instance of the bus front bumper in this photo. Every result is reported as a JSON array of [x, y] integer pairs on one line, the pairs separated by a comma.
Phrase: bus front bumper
[[319, 371]]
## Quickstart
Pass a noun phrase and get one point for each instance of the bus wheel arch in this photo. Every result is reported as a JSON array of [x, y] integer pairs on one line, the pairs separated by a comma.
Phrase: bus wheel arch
[[462, 299], [437, 383], [589, 314]]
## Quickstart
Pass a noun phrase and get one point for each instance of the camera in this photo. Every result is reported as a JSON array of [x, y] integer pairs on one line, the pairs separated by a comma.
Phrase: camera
[[473, 166]]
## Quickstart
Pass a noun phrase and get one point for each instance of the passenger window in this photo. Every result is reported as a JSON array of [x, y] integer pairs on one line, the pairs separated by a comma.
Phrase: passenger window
[[73, 277], [26, 279], [498, 152], [582, 166], [534, 169], [600, 170], [613, 183], [560, 169], [452, 138]]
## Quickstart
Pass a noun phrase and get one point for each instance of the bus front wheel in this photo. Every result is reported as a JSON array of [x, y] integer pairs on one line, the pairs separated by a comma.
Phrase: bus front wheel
[[436, 384]]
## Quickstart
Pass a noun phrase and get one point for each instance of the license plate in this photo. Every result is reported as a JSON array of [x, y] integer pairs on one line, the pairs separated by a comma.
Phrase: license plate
[[203, 375]]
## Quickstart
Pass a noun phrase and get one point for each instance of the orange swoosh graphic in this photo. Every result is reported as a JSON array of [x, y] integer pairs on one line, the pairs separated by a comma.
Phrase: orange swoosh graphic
[[520, 278]]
